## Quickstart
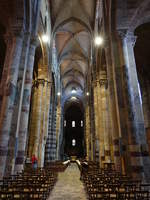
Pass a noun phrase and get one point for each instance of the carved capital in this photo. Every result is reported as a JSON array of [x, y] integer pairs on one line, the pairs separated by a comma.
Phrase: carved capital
[[130, 37], [18, 33], [95, 82], [8, 38], [103, 82], [35, 41], [127, 36], [38, 82], [122, 33]]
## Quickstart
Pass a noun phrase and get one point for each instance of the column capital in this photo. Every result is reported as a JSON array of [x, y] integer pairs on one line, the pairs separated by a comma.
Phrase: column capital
[[103, 82], [122, 33], [18, 33], [131, 38], [37, 82], [35, 40], [95, 82], [103, 79], [8, 38], [127, 36]]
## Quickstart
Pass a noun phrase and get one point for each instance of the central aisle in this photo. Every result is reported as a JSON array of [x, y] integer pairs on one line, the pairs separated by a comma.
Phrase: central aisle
[[69, 186]]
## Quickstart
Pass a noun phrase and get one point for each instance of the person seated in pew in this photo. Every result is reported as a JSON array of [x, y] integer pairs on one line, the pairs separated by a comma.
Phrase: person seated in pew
[[34, 162]]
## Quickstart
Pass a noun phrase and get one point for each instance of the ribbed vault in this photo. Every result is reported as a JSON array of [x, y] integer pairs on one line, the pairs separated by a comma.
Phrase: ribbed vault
[[72, 25]]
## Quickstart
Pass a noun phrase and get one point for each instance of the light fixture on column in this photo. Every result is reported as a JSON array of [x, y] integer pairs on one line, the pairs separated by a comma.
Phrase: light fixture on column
[[58, 94], [87, 94], [45, 38], [98, 40]]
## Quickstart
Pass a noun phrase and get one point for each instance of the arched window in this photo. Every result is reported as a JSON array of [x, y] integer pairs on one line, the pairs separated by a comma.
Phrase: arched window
[[73, 124], [73, 142]]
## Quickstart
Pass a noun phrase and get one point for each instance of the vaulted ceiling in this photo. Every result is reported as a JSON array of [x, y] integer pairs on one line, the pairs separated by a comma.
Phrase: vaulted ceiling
[[73, 25], [72, 29], [131, 13]]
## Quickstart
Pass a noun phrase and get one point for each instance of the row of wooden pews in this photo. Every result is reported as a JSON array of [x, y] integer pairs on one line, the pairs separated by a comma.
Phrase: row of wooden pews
[[31, 183], [109, 184]]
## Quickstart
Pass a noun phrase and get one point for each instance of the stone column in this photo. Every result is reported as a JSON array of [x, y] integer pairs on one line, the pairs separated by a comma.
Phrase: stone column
[[113, 109], [137, 146], [87, 132], [92, 126], [38, 117], [96, 116], [47, 117], [32, 122], [35, 123], [54, 150], [24, 118], [110, 153], [44, 125], [104, 112], [13, 141], [51, 140], [58, 126], [92, 147], [9, 96], [48, 141], [100, 124]]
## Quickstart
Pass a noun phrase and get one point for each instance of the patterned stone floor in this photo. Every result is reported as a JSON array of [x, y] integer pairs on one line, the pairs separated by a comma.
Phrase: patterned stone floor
[[69, 186]]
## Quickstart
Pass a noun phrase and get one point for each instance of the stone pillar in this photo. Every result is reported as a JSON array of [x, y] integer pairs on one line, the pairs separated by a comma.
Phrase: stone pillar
[[47, 108], [38, 118], [14, 48], [113, 109], [87, 132], [24, 118], [13, 141], [54, 142], [100, 124], [42, 136], [51, 140], [58, 126], [109, 129], [92, 126], [44, 123], [35, 123], [92, 147], [32, 122], [104, 112], [96, 116], [48, 141], [137, 146]]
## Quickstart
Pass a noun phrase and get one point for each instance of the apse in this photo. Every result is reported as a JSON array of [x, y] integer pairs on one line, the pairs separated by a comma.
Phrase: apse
[[73, 132]]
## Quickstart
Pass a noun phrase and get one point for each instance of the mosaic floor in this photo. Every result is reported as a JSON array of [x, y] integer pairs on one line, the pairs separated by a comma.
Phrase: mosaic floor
[[69, 186]]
